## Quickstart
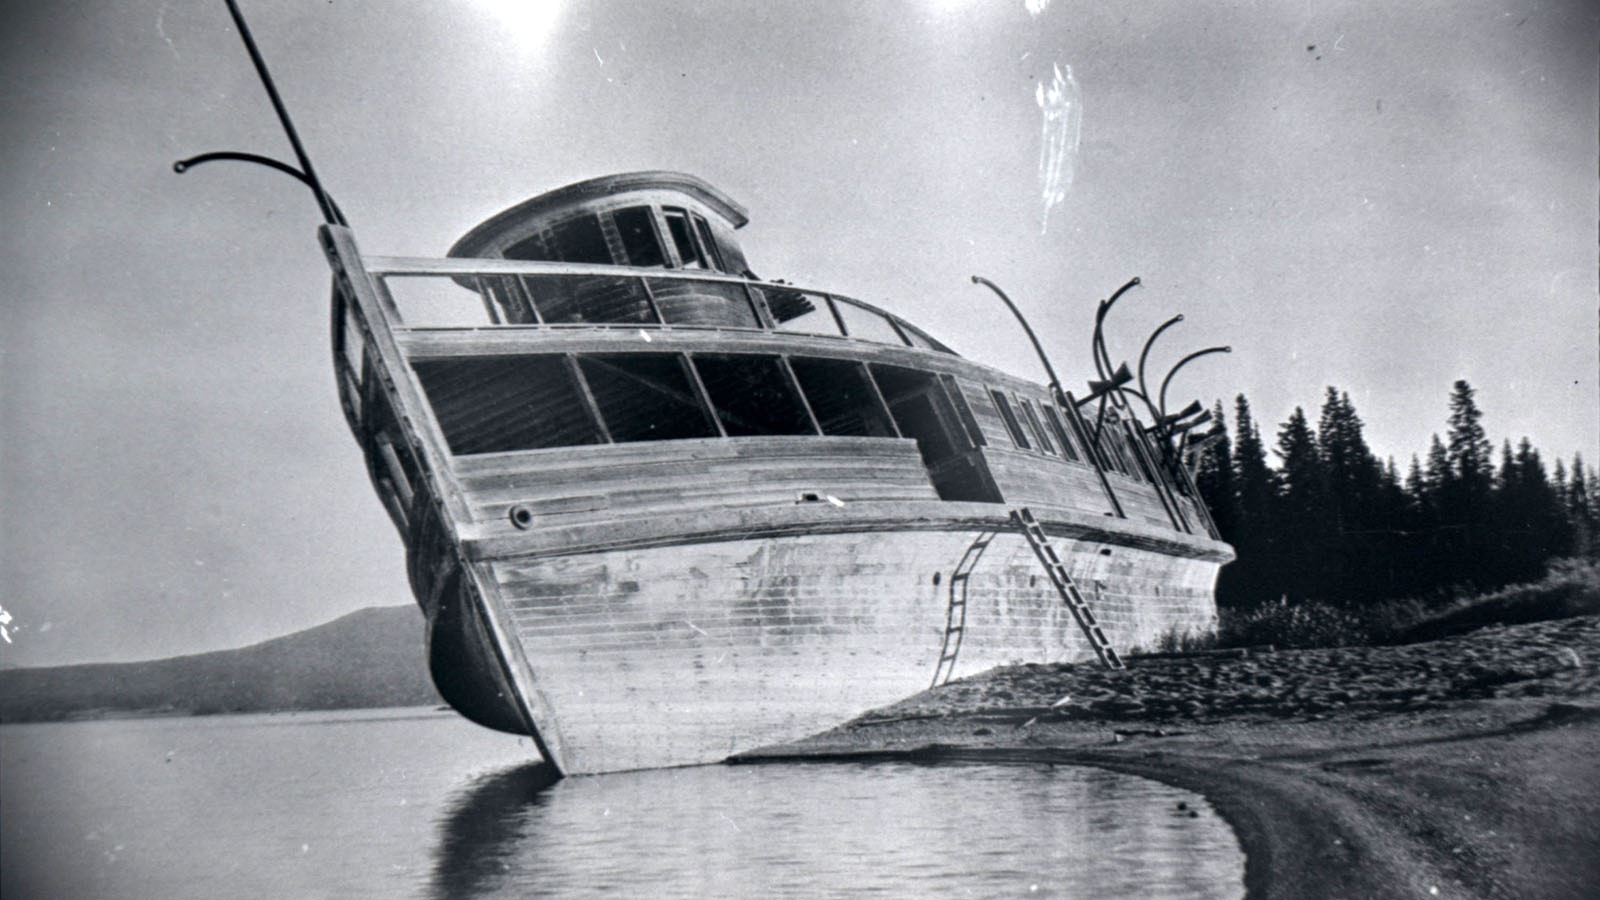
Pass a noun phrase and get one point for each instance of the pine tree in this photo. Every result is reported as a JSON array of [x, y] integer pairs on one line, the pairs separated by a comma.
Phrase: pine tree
[[1251, 578], [1435, 539], [1470, 450], [1302, 516], [1466, 502], [1351, 476], [1530, 522], [1214, 476], [1580, 511]]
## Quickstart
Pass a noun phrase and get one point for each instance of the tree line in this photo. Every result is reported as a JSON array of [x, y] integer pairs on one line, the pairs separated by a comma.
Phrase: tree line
[[1327, 521]]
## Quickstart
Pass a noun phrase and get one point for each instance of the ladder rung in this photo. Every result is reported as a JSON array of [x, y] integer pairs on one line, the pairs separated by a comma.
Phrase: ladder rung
[[1061, 579]]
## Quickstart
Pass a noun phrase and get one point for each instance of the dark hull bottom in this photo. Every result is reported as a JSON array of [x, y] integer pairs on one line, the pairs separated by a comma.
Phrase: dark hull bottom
[[465, 668]]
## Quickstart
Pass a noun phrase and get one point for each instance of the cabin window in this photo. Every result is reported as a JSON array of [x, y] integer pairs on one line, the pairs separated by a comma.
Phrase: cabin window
[[498, 404], [1037, 429], [402, 473], [796, 311], [963, 410], [751, 395], [433, 301], [1093, 455], [636, 225], [684, 301], [580, 240], [923, 410], [1013, 427], [844, 400], [1054, 419], [584, 299], [1115, 448], [920, 410], [510, 299], [868, 325], [645, 397], [351, 341], [1139, 450], [689, 254]]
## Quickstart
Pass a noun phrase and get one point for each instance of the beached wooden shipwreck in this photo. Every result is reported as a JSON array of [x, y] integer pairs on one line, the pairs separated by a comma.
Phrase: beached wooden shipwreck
[[658, 511]]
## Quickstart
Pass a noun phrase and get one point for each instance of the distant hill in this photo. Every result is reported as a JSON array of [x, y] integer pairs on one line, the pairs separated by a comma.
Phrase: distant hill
[[371, 658]]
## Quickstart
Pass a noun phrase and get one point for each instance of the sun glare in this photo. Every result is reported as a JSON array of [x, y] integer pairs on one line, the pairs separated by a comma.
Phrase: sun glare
[[530, 21]]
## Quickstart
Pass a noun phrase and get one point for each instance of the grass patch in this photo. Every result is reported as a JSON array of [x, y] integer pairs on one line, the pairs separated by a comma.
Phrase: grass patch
[[1571, 587]]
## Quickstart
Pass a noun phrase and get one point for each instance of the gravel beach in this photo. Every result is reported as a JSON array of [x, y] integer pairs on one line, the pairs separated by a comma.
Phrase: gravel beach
[[1463, 767]]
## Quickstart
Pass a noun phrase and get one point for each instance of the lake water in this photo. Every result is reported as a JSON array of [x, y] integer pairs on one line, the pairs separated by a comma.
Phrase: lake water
[[418, 803]]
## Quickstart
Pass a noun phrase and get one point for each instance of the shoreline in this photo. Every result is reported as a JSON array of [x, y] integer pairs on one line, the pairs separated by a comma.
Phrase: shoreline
[[1465, 767]]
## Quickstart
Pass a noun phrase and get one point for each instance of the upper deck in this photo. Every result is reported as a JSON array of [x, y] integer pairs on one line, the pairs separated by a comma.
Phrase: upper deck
[[589, 355]]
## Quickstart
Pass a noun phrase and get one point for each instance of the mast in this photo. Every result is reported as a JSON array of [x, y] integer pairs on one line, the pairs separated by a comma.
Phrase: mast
[[306, 174]]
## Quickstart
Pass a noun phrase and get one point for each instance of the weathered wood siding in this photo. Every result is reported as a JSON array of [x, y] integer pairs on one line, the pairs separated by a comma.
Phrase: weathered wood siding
[[672, 655], [1026, 478], [633, 480]]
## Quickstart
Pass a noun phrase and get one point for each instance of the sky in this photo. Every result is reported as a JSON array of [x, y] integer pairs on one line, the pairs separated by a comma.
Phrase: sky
[[1380, 197]]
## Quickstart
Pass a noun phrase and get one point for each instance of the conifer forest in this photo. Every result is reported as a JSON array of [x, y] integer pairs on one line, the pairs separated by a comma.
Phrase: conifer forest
[[1316, 517]]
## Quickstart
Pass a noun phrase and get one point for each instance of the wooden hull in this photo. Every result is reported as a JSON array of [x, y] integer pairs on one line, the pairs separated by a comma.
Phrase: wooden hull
[[659, 546], [678, 655]]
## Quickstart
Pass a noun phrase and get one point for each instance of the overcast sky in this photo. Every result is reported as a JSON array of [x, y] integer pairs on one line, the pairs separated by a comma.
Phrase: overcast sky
[[1383, 197]]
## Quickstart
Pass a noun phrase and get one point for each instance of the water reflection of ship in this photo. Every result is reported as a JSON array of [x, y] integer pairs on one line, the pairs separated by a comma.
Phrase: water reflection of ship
[[481, 833], [658, 511]]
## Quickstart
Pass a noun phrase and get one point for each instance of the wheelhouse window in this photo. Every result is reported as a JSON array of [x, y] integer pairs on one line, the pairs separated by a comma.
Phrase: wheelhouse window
[[708, 243], [636, 226], [690, 255], [579, 239]]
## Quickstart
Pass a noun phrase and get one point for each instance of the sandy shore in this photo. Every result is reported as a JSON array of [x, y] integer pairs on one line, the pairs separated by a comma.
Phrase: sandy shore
[[1465, 767]]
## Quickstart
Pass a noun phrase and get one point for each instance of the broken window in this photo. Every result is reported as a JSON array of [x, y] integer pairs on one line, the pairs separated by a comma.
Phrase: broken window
[[689, 254], [435, 301], [1037, 429], [709, 244], [580, 240], [1054, 420], [752, 395], [964, 411], [800, 311], [866, 324], [685, 301], [495, 404], [1012, 425], [844, 400], [636, 226], [645, 397]]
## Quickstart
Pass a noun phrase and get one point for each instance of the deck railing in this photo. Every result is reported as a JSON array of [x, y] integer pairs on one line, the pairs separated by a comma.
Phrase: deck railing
[[482, 293]]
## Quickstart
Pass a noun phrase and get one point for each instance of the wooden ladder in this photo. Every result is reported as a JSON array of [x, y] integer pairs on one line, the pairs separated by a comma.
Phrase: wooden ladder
[[1034, 532], [955, 615]]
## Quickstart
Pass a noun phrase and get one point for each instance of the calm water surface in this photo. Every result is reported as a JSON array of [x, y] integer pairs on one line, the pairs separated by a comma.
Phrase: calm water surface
[[413, 803]]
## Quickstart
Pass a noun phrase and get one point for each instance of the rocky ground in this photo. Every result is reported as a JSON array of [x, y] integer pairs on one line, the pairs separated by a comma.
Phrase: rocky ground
[[1465, 767]]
